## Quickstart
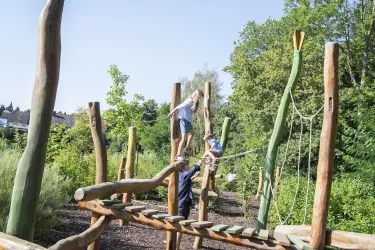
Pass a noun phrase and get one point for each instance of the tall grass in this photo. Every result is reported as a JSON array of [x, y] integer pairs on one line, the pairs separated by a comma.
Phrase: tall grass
[[54, 192]]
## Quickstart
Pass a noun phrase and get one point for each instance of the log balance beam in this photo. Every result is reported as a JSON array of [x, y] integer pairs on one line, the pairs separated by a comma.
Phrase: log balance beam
[[335, 238], [127, 185], [253, 242]]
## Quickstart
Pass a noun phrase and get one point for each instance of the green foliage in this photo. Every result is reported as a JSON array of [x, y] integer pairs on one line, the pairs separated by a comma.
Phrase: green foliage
[[118, 118], [351, 206], [157, 137], [54, 192]]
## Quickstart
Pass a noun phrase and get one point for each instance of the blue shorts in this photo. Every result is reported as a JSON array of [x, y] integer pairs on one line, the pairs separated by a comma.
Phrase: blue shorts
[[185, 126], [184, 209]]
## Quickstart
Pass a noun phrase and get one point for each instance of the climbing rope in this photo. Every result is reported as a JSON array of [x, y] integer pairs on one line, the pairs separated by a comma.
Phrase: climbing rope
[[310, 118]]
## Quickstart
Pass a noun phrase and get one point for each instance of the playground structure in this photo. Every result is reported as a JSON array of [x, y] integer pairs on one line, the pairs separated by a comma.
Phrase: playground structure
[[104, 210]]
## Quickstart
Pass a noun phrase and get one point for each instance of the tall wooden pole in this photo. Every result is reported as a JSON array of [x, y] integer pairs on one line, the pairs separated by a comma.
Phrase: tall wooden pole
[[327, 146], [101, 156], [174, 177], [203, 200], [223, 141], [269, 166], [129, 166], [28, 180]]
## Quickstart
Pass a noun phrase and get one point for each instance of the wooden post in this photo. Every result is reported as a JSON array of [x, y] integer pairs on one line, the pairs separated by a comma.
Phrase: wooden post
[[225, 132], [327, 146], [203, 200], [121, 169], [269, 166], [277, 180], [223, 141], [101, 157], [174, 177], [129, 168], [260, 184], [28, 180]]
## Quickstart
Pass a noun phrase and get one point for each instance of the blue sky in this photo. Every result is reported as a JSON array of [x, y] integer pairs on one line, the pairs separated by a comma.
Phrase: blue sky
[[154, 42]]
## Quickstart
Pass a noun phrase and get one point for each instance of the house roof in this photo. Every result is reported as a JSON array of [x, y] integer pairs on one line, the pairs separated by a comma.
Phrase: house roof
[[18, 116], [58, 119], [24, 117]]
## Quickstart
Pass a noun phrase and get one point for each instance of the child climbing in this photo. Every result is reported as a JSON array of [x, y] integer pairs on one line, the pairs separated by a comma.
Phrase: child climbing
[[215, 150], [186, 109], [185, 194]]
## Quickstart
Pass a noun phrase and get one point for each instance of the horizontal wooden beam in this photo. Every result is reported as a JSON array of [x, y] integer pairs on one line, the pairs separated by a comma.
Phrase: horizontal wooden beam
[[84, 239], [335, 238], [226, 237], [124, 186], [194, 190], [10, 242]]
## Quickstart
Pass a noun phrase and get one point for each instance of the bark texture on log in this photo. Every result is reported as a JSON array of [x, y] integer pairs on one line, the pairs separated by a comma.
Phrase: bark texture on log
[[84, 239], [335, 238], [132, 185], [30, 169], [174, 176], [327, 146], [10, 242]]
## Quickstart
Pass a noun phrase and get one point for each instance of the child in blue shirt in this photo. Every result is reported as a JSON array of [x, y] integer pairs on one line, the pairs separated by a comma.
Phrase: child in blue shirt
[[185, 194], [215, 150], [186, 110]]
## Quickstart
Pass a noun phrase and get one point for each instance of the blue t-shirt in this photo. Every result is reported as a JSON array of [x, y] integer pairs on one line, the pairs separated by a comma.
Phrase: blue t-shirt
[[216, 144], [184, 110], [184, 185]]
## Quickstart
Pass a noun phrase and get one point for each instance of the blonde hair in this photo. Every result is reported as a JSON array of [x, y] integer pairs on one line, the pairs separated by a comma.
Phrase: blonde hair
[[196, 96]]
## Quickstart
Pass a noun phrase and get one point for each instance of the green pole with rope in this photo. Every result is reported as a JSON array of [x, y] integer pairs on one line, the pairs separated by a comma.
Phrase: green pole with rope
[[269, 165]]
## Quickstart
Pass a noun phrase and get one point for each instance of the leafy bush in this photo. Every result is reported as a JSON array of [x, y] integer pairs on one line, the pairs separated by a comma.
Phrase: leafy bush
[[351, 207], [53, 195]]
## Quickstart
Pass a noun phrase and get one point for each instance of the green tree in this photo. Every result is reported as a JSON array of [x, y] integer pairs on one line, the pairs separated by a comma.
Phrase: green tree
[[157, 137], [122, 113]]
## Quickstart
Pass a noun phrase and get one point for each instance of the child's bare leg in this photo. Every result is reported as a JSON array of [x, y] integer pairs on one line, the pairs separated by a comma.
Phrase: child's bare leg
[[190, 138], [212, 160], [181, 144]]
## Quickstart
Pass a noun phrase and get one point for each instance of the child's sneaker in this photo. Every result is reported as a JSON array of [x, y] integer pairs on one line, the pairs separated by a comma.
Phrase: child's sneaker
[[179, 158], [187, 151]]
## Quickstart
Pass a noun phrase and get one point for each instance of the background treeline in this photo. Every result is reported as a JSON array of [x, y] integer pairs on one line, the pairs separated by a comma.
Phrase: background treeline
[[260, 65]]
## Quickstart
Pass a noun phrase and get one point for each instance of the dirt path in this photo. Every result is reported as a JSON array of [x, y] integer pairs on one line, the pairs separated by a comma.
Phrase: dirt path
[[136, 236]]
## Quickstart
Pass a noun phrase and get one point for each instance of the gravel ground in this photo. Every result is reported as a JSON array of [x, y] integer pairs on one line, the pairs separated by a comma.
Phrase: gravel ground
[[136, 236]]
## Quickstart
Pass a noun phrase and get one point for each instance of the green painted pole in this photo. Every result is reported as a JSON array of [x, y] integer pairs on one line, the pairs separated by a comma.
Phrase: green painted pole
[[225, 132], [269, 165], [28, 180]]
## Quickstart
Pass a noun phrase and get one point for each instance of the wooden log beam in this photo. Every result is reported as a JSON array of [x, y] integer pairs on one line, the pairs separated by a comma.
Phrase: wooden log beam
[[121, 169], [138, 217], [174, 176], [84, 239], [10, 242], [327, 145], [100, 154], [203, 199], [239, 240], [28, 179], [269, 165], [334, 238], [131, 185]]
